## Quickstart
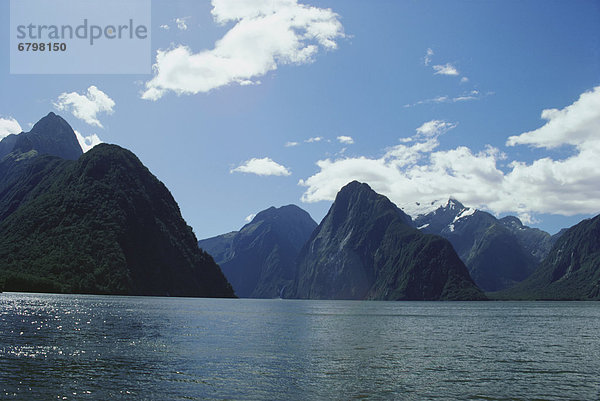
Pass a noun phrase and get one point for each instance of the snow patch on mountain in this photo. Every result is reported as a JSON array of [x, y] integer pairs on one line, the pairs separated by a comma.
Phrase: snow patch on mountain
[[464, 213]]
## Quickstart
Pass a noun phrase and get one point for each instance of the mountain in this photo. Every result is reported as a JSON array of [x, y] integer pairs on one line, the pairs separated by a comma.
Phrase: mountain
[[259, 260], [498, 253], [366, 248], [536, 242], [571, 271], [7, 144], [52, 135], [99, 224]]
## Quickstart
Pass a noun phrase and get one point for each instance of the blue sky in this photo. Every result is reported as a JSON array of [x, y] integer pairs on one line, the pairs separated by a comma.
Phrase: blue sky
[[428, 91]]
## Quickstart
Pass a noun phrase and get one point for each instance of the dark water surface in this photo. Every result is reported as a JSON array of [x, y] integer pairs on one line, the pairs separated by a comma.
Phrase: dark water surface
[[102, 347]]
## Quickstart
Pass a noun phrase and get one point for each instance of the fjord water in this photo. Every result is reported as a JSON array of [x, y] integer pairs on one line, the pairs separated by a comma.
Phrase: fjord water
[[106, 347]]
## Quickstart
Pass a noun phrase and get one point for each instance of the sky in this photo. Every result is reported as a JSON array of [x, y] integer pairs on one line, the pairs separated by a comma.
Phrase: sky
[[252, 104]]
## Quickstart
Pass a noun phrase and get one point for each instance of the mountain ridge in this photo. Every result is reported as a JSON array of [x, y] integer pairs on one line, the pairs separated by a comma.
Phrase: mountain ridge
[[259, 259], [367, 248], [51, 135], [498, 252], [571, 271], [102, 223]]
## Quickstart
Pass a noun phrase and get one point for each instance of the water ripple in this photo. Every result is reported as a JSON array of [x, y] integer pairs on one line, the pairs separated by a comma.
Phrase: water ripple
[[100, 347]]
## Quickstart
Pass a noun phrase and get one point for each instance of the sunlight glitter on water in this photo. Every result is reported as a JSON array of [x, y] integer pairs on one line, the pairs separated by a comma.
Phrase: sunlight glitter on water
[[102, 347]]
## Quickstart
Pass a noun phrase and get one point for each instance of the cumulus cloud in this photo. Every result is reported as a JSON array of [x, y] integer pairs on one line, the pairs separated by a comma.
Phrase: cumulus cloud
[[265, 34], [291, 144], [314, 139], [464, 80], [446, 69], [345, 139], [416, 173], [87, 142], [264, 166], [9, 126], [87, 106], [577, 125]]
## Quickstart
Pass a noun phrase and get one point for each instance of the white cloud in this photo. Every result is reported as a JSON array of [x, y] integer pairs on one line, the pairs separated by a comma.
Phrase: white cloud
[[472, 95], [314, 139], [416, 171], [464, 80], [181, 23], [165, 27], [577, 125], [265, 34], [9, 126], [446, 69], [434, 128], [345, 139], [437, 99], [428, 55], [291, 144], [87, 142], [250, 217], [86, 106], [264, 166]]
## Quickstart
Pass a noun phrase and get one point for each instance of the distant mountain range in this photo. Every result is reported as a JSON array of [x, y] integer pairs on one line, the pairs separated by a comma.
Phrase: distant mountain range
[[100, 222], [366, 248], [260, 259], [499, 253], [571, 271], [93, 223]]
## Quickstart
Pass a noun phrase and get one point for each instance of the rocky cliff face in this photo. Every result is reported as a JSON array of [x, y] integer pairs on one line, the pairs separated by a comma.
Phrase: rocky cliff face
[[260, 259], [52, 135], [571, 271], [366, 248], [498, 253]]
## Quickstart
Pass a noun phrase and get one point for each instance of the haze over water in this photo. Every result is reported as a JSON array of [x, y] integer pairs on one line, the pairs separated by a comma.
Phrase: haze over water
[[106, 347]]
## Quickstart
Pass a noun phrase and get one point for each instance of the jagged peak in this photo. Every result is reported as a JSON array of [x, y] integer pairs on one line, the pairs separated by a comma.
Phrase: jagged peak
[[356, 196], [448, 214], [50, 135], [452, 204], [48, 121]]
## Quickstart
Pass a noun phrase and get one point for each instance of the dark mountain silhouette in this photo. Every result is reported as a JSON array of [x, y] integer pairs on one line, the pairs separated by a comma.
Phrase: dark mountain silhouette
[[52, 135], [366, 248], [259, 260], [498, 253], [571, 271], [99, 224]]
